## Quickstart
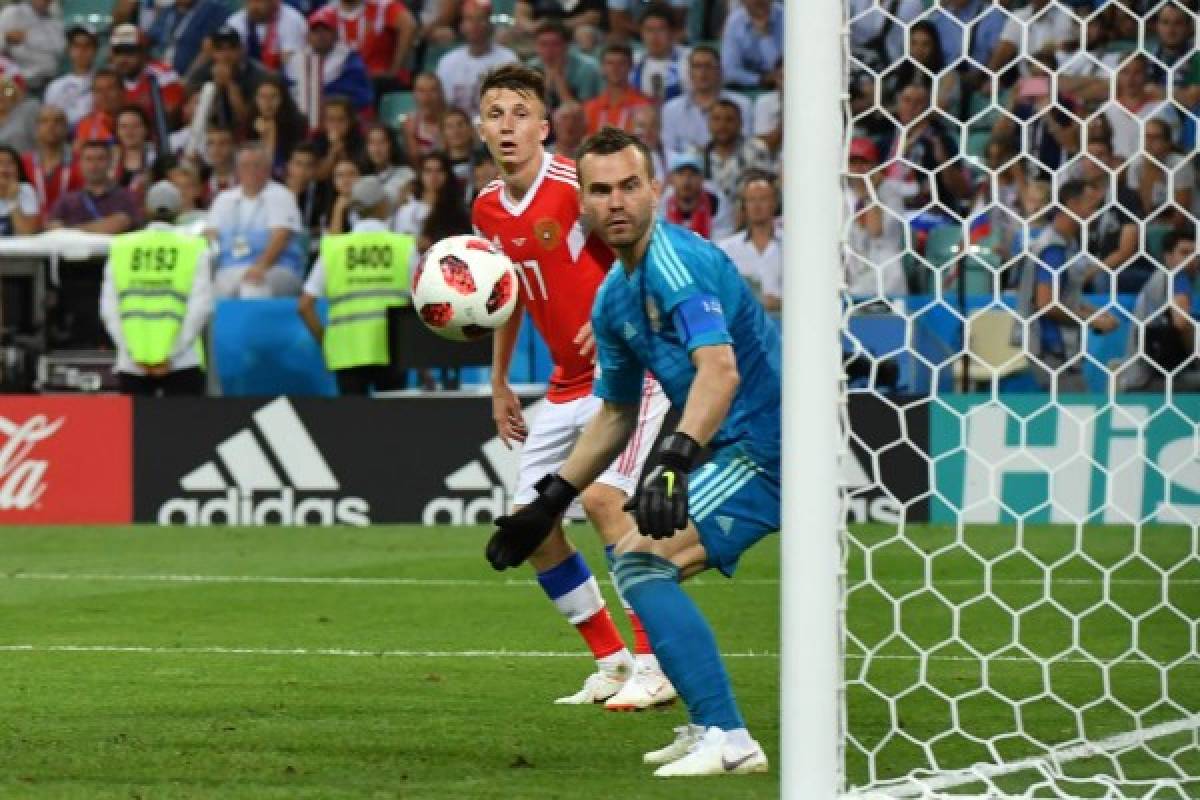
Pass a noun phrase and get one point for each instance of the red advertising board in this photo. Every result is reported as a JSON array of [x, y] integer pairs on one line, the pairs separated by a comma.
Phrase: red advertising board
[[66, 459]]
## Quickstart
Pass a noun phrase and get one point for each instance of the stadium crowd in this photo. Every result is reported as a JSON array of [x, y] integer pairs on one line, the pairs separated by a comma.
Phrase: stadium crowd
[[264, 115], [1041, 148]]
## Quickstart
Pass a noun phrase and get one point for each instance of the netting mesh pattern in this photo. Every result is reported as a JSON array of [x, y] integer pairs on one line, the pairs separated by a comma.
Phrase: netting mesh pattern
[[1021, 587]]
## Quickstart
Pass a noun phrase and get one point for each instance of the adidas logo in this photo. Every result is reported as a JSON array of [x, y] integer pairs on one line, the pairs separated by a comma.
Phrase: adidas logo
[[267, 464], [629, 331], [482, 488], [725, 524]]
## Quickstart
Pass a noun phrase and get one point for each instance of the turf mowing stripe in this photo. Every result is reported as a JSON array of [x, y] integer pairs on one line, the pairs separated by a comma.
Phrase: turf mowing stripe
[[1053, 758], [459, 582], [305, 651]]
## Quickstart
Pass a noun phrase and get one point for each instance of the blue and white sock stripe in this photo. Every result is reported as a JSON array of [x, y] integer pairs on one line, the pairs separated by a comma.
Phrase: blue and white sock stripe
[[565, 577], [667, 260], [573, 590], [734, 477]]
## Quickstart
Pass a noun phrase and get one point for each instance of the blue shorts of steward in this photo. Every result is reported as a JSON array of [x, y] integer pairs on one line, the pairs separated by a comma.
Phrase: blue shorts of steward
[[733, 500]]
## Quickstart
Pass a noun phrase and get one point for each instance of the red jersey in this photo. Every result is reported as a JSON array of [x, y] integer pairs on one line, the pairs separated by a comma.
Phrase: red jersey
[[52, 184], [370, 30], [560, 266], [137, 92]]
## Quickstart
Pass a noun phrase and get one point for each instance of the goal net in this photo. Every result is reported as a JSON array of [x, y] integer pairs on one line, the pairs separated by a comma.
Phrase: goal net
[[1021, 561]]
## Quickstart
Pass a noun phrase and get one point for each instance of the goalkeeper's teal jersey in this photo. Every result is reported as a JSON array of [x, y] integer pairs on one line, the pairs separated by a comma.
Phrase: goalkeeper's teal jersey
[[687, 294]]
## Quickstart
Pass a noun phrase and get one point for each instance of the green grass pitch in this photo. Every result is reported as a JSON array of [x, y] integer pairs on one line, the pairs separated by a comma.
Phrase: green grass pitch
[[170, 663]]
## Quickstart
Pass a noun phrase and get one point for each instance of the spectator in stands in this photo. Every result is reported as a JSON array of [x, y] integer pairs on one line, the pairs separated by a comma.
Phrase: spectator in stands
[[757, 247], [661, 71], [186, 180], [100, 124], [18, 112], [423, 127], [876, 39], [135, 154], [31, 36], [570, 129], [438, 21], [1161, 349], [692, 203], [925, 64], [259, 230], [977, 22], [385, 161], [340, 135], [1005, 177], [48, 163], [342, 217], [180, 29], [129, 58], [647, 126], [1133, 105], [752, 45], [332, 67], [381, 31], [1113, 237], [923, 142], [571, 76], [576, 18], [483, 172], [72, 92], [685, 119], [617, 101], [235, 77], [220, 166], [19, 212], [313, 198], [462, 69], [100, 206], [622, 23], [1174, 62], [1051, 129], [1050, 296], [875, 226], [729, 155], [435, 180], [1149, 173], [1040, 27], [461, 144], [271, 31], [448, 215], [157, 337], [277, 123]]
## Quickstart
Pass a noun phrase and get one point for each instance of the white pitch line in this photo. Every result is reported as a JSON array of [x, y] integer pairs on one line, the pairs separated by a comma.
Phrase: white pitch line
[[1053, 758], [462, 582], [307, 651]]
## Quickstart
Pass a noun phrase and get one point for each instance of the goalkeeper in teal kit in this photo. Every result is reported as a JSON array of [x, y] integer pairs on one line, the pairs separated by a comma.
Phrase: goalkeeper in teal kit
[[675, 305]]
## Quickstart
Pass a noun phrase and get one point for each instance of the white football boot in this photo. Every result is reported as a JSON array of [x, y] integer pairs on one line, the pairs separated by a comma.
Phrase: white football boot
[[647, 688], [714, 754], [686, 737], [598, 687]]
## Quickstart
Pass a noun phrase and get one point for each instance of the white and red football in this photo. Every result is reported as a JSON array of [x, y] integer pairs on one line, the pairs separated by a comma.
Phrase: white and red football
[[464, 288]]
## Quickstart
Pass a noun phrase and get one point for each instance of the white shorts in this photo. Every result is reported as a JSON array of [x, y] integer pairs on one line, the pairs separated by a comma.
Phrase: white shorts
[[555, 427]]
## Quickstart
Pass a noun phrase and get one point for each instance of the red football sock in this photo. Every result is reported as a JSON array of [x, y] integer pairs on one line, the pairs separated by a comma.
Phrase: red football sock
[[601, 634]]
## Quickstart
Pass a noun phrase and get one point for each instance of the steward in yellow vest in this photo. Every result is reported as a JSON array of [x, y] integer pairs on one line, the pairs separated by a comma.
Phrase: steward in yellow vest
[[362, 273], [155, 301]]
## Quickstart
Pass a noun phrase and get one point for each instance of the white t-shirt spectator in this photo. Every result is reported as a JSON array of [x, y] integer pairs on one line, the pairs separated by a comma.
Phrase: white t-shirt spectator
[[763, 271], [291, 31], [411, 216], [873, 263], [685, 124], [461, 74], [243, 222], [867, 20], [662, 78], [1127, 133], [1048, 30], [73, 94], [45, 42], [26, 203]]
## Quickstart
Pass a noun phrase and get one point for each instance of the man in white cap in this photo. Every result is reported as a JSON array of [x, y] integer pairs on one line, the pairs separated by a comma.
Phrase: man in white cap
[[362, 273], [155, 301]]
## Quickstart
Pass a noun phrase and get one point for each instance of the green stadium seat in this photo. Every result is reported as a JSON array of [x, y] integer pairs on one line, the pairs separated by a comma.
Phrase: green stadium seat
[[943, 245], [977, 142], [394, 107], [433, 54], [1155, 234]]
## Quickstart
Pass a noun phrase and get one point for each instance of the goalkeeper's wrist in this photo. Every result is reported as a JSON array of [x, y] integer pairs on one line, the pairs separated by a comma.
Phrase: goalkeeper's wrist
[[680, 452], [555, 494]]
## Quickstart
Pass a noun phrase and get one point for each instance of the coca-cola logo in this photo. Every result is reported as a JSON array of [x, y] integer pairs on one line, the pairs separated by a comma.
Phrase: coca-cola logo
[[23, 479]]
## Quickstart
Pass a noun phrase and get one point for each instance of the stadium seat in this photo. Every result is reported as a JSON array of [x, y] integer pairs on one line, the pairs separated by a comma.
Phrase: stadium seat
[[977, 142], [433, 54], [1155, 234], [989, 340], [394, 107]]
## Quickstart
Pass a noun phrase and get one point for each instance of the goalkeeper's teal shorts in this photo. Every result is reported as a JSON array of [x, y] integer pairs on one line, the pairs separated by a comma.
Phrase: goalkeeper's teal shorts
[[733, 500]]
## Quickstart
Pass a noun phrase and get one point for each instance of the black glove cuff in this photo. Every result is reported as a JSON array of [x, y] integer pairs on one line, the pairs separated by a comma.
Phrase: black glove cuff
[[680, 452], [555, 494]]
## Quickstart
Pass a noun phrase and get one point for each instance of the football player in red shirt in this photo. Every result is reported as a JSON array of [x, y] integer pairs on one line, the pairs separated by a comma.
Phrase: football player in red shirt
[[532, 213]]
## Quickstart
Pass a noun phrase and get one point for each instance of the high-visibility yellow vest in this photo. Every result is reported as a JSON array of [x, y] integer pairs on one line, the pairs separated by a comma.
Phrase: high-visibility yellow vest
[[153, 271], [365, 273]]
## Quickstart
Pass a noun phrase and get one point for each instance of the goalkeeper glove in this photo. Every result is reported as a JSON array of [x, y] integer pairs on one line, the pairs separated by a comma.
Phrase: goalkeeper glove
[[660, 505], [520, 533]]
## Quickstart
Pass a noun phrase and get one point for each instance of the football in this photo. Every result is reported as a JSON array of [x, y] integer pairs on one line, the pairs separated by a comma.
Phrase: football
[[464, 288]]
